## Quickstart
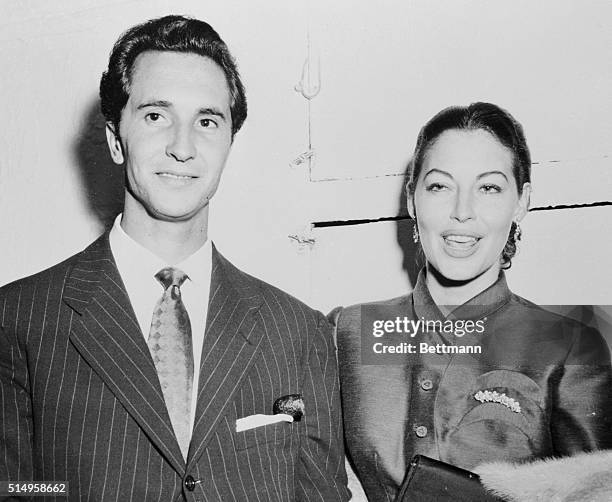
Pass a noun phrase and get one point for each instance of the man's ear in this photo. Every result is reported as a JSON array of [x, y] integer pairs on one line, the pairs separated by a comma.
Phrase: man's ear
[[523, 203], [114, 144]]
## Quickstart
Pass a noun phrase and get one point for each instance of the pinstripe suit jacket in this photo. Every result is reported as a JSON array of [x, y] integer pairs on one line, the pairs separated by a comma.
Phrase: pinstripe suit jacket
[[81, 401]]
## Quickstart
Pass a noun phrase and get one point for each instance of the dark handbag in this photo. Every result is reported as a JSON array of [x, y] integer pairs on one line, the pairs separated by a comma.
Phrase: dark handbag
[[429, 480]]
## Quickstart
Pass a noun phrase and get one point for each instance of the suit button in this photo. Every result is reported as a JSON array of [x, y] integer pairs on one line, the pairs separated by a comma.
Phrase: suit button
[[427, 384], [190, 483], [421, 431]]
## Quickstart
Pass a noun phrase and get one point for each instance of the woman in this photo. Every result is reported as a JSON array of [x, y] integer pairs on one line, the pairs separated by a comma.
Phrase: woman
[[540, 385]]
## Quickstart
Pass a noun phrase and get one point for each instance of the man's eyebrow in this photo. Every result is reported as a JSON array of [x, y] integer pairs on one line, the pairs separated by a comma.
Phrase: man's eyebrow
[[213, 111], [158, 104], [166, 104], [482, 175]]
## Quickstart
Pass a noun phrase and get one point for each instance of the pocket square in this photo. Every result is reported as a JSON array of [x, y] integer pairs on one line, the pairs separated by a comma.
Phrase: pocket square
[[252, 421]]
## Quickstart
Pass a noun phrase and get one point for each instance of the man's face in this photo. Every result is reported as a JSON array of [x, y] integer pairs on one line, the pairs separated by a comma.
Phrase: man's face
[[176, 133]]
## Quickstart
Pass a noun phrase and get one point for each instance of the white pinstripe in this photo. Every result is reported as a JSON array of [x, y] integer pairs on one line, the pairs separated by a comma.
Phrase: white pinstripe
[[83, 434], [123, 441], [108, 456], [281, 338], [213, 478], [148, 469], [42, 329]]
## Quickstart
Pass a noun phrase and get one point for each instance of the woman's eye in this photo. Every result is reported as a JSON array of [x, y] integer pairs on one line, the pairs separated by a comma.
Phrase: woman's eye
[[490, 188], [435, 187]]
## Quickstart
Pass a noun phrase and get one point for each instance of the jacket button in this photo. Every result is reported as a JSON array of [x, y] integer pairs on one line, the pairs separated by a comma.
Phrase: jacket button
[[421, 431], [427, 384], [190, 483]]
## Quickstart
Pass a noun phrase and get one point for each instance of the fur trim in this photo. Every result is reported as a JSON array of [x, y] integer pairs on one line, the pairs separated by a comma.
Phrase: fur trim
[[583, 477]]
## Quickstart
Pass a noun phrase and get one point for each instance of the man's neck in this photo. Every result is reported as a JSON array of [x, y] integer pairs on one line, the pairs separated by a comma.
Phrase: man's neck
[[173, 241]]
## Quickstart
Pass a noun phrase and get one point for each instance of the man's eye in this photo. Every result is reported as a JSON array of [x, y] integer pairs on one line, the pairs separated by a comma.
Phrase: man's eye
[[208, 123], [490, 188], [153, 117]]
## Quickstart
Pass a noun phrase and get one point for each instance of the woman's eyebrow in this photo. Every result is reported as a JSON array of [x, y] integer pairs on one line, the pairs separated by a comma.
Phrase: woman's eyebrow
[[482, 175], [436, 170]]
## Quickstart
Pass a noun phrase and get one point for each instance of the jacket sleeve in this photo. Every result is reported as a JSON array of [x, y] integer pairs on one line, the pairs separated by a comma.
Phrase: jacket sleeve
[[322, 475], [582, 413], [16, 430]]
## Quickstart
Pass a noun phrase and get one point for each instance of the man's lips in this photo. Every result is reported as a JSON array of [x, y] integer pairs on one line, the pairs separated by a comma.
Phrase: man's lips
[[176, 176]]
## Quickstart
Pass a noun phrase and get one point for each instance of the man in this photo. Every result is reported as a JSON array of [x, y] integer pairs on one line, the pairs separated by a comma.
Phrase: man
[[133, 370]]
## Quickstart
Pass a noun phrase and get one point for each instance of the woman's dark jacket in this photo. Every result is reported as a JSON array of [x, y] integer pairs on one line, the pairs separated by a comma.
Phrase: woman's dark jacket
[[541, 386]]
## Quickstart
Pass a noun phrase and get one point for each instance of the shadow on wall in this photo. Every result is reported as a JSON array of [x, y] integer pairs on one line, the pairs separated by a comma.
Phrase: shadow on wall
[[101, 178], [413, 258]]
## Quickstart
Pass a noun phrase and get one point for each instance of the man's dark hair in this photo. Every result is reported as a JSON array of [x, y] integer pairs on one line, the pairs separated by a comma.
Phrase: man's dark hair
[[173, 34]]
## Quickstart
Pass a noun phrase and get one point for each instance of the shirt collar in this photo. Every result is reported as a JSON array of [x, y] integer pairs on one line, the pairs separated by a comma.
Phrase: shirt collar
[[136, 261], [483, 304], [198, 265]]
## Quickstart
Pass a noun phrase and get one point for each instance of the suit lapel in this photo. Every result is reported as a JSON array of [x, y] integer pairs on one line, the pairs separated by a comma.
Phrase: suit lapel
[[108, 337], [231, 341]]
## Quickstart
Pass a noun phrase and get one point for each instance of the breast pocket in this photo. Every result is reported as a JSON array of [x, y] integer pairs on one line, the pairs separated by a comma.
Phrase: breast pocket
[[504, 420], [273, 434]]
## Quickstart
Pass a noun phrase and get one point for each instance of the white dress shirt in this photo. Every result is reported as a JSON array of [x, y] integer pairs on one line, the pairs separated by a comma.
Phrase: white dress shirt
[[138, 266]]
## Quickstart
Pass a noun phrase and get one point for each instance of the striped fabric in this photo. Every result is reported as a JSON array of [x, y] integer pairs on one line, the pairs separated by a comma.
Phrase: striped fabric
[[81, 401]]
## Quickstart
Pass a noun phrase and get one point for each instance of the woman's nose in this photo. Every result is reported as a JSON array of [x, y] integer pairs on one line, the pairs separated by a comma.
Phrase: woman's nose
[[463, 209]]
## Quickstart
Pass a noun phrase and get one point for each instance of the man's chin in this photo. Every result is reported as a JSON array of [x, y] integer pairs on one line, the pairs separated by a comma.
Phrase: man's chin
[[177, 214]]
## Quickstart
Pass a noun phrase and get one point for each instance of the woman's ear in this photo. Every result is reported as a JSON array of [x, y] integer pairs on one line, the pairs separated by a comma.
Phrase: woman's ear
[[523, 203], [114, 144], [410, 204]]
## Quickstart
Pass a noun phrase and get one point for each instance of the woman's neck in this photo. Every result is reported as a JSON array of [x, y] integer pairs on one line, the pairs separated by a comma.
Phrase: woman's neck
[[445, 291]]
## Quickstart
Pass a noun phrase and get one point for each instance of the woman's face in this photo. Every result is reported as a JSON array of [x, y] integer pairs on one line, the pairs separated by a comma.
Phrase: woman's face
[[465, 201]]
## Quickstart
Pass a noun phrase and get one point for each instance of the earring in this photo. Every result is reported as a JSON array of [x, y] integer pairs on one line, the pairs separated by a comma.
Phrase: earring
[[415, 233], [517, 233]]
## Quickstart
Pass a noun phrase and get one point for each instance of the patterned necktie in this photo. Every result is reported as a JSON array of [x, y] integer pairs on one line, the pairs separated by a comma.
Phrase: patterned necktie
[[171, 348]]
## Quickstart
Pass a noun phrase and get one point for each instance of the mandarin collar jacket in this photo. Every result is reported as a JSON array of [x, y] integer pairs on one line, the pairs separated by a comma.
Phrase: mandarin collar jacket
[[544, 380]]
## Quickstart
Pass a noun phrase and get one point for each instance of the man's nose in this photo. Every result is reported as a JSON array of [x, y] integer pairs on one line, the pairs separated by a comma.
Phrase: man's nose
[[181, 145], [463, 209]]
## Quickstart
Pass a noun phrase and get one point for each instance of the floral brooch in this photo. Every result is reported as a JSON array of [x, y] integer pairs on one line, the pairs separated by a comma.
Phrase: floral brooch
[[488, 396]]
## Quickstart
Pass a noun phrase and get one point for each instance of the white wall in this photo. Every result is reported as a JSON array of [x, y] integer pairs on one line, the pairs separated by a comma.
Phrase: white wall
[[385, 68]]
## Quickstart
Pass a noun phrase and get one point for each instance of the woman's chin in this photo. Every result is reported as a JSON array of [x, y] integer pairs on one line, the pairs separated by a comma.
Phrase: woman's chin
[[459, 276], [455, 272]]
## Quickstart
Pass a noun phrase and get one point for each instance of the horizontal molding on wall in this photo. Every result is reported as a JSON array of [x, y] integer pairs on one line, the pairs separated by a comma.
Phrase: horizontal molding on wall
[[344, 223], [563, 184]]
